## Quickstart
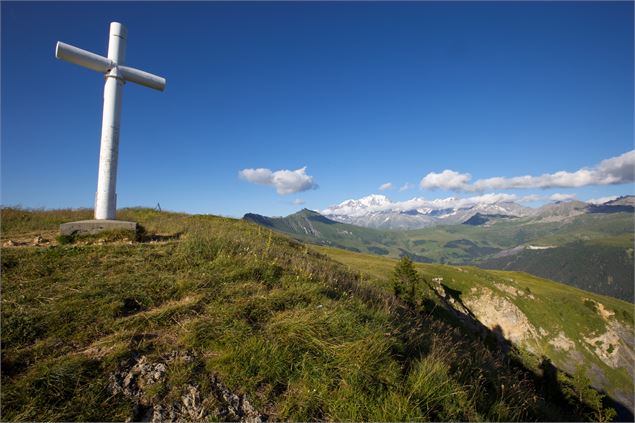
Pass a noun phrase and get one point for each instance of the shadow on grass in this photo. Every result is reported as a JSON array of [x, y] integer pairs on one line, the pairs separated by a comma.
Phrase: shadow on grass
[[546, 381]]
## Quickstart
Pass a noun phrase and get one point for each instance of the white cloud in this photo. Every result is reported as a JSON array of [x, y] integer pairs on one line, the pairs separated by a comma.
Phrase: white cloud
[[285, 181], [602, 200], [561, 197], [257, 176], [448, 180], [406, 187], [384, 187], [616, 170], [620, 168], [298, 202]]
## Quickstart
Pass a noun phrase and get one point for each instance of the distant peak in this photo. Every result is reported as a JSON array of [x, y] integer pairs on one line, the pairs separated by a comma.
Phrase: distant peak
[[306, 212], [373, 199]]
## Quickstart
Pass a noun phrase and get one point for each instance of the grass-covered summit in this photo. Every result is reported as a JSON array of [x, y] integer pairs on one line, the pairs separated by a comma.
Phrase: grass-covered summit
[[207, 318]]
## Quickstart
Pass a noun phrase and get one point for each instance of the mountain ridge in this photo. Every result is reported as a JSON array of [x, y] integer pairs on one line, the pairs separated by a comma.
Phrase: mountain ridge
[[377, 211], [578, 244]]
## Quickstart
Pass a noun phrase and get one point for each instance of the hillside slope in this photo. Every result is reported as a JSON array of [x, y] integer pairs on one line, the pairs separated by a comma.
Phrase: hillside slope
[[211, 318], [595, 248], [310, 226], [568, 325]]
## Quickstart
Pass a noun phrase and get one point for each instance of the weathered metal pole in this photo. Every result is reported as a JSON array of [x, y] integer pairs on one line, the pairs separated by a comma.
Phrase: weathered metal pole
[[106, 196]]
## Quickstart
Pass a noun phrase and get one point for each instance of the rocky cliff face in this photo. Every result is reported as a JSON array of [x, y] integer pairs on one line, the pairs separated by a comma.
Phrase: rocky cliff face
[[505, 308]]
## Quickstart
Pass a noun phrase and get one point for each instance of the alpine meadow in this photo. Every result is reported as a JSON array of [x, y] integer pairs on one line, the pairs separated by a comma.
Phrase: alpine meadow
[[315, 211]]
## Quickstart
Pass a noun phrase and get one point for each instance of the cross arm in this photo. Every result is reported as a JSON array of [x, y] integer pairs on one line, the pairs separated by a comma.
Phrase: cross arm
[[102, 64], [142, 78], [83, 58]]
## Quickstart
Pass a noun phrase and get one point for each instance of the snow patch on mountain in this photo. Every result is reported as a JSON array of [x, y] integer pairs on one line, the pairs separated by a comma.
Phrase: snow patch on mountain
[[378, 211]]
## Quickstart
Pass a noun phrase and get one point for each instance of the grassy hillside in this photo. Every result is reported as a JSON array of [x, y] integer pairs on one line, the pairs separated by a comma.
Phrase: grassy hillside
[[310, 226], [597, 248], [565, 324], [591, 265], [211, 318]]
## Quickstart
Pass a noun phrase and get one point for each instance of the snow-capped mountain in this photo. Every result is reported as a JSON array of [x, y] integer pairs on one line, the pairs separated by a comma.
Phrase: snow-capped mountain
[[377, 211]]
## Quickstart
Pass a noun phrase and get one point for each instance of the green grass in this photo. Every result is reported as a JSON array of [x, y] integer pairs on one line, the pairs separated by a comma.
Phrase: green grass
[[304, 337], [555, 307], [18, 221]]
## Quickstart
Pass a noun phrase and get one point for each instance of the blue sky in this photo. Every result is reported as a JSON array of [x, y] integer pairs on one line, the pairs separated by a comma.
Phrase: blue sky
[[361, 94]]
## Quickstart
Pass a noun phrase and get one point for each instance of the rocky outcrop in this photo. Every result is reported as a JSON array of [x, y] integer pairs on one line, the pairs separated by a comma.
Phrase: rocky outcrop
[[561, 342], [498, 313], [137, 376]]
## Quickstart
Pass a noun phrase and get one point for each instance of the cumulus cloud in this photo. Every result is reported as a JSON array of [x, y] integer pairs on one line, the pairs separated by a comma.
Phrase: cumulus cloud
[[257, 176], [612, 171], [448, 180], [384, 187], [298, 202], [285, 181], [561, 197]]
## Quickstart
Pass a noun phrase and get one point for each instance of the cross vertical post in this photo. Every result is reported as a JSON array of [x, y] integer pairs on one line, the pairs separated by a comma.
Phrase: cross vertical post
[[106, 196]]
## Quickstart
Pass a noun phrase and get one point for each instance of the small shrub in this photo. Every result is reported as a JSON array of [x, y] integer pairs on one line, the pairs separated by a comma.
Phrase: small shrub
[[588, 401], [590, 304], [65, 239]]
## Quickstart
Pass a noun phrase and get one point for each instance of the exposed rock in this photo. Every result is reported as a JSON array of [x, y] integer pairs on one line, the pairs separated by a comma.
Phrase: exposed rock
[[604, 312], [563, 343], [614, 347], [513, 291], [138, 373], [132, 380], [508, 289], [188, 409], [237, 408], [497, 312]]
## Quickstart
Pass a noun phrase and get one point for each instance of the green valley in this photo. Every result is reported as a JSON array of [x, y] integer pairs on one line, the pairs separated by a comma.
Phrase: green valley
[[591, 251]]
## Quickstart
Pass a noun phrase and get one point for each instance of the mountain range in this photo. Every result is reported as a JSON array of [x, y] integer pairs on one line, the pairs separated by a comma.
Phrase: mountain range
[[589, 246], [377, 211]]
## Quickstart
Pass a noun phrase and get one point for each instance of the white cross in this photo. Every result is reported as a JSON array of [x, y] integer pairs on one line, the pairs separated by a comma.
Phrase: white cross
[[116, 74]]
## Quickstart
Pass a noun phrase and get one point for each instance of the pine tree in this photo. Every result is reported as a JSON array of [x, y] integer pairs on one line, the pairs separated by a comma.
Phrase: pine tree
[[405, 280]]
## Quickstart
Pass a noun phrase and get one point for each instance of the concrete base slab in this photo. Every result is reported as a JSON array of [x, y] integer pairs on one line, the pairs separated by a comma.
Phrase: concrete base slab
[[92, 227]]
